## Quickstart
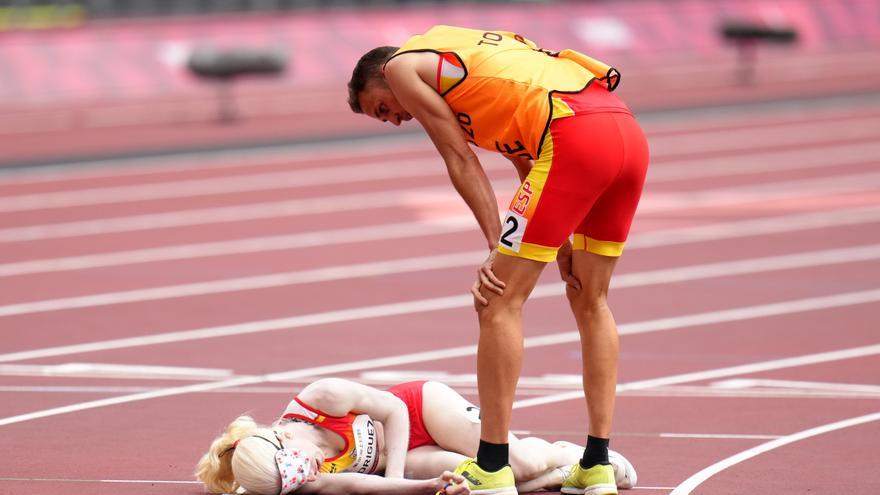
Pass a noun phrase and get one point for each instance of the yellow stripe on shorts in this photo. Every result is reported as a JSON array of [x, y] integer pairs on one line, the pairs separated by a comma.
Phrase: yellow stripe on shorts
[[595, 246]]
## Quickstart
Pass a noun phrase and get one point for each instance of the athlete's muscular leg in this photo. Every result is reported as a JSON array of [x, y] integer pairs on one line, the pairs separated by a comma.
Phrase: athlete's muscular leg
[[499, 356], [599, 342]]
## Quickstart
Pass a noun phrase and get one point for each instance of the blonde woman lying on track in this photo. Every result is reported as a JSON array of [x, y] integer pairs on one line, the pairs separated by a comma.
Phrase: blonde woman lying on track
[[413, 430]]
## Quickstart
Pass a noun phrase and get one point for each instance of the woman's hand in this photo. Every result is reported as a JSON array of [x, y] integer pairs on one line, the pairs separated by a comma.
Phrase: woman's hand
[[451, 484], [486, 278]]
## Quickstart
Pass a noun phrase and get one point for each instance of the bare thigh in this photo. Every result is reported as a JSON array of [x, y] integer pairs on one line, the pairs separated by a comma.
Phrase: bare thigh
[[451, 420]]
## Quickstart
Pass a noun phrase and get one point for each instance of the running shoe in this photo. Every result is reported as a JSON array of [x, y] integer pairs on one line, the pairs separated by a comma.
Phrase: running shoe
[[481, 482], [597, 480]]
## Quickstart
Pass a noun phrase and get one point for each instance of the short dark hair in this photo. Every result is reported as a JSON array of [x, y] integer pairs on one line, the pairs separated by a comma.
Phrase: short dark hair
[[368, 68]]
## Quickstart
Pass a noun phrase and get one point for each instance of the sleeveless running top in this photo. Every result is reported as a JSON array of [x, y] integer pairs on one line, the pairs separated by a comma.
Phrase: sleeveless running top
[[360, 454], [501, 85]]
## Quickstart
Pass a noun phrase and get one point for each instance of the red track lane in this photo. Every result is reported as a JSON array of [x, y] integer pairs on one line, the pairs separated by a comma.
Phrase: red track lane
[[161, 438], [146, 318]]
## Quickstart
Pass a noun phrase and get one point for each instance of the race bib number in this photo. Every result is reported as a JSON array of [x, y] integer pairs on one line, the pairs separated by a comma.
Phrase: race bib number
[[512, 230]]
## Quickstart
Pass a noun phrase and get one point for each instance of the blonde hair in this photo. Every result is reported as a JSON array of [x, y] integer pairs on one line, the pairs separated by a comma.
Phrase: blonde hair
[[249, 464]]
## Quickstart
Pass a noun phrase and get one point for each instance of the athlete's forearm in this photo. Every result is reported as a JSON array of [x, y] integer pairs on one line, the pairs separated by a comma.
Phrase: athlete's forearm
[[396, 440], [364, 484], [473, 186]]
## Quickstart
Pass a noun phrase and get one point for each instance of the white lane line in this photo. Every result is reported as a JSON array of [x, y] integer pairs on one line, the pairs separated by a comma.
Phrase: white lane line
[[628, 280], [426, 263], [745, 383], [697, 479], [700, 233], [470, 350], [765, 162], [354, 235], [292, 155], [767, 393], [802, 133], [340, 272], [653, 202], [744, 369], [719, 436], [752, 227], [105, 370], [291, 179], [66, 480], [372, 146], [395, 167], [238, 213], [663, 201]]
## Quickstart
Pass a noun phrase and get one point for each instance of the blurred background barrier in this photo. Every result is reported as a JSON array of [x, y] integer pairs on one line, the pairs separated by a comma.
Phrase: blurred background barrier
[[224, 66], [109, 78], [748, 36]]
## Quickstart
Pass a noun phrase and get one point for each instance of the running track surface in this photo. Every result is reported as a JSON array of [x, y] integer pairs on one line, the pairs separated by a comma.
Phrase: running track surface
[[145, 303]]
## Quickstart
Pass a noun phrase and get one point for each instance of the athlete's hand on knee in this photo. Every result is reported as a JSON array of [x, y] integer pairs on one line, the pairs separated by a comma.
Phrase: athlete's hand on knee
[[486, 278], [479, 300], [563, 261]]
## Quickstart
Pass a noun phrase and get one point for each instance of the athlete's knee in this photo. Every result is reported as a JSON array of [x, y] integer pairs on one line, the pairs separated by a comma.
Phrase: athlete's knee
[[498, 310], [588, 299]]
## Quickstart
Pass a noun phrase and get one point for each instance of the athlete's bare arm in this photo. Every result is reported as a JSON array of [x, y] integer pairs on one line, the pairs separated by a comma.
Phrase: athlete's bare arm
[[432, 112], [365, 484], [338, 397]]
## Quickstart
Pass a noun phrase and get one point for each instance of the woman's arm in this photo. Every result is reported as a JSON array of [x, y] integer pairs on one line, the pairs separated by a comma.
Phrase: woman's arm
[[339, 397], [365, 484]]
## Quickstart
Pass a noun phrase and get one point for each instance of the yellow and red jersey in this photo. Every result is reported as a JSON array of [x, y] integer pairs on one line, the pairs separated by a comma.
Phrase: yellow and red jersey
[[360, 452], [500, 85]]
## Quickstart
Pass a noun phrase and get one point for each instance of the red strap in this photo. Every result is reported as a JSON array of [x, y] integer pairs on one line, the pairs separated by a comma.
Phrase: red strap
[[439, 68]]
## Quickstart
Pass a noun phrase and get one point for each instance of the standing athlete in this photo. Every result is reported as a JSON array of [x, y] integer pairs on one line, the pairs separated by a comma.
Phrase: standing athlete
[[582, 159]]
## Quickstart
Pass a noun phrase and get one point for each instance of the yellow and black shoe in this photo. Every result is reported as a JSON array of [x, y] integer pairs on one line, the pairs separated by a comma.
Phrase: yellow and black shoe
[[597, 480], [481, 482]]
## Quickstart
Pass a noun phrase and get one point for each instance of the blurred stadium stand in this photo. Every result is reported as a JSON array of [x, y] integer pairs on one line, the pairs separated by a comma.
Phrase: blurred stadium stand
[[46, 13], [103, 77]]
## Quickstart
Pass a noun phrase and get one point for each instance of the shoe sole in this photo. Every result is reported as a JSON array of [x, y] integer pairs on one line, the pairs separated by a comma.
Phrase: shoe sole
[[508, 490], [593, 490], [601, 490]]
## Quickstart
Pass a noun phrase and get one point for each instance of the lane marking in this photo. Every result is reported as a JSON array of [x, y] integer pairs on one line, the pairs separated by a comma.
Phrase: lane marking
[[775, 364], [395, 168], [736, 314], [373, 145], [759, 163], [66, 480], [697, 479], [404, 167], [115, 371], [428, 263], [295, 154], [188, 482], [794, 135], [626, 280], [406, 198], [653, 202], [719, 436], [421, 228], [424, 228], [661, 201], [768, 393], [744, 383]]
